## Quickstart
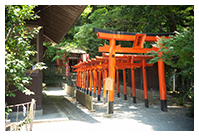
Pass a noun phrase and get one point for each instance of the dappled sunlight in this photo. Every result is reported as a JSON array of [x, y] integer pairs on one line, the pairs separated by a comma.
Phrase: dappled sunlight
[[132, 107], [127, 115], [54, 92]]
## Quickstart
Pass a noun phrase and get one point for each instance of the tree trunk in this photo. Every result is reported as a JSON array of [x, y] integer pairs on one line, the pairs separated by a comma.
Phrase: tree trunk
[[6, 84], [173, 24]]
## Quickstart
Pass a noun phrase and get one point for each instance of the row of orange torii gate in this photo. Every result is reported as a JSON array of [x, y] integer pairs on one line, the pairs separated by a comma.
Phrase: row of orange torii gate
[[108, 63]]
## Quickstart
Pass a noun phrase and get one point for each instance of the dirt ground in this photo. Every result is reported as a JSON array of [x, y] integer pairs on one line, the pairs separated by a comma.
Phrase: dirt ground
[[127, 115]]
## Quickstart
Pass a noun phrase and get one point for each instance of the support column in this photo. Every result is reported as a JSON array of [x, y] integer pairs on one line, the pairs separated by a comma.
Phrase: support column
[[104, 91], [145, 83], [124, 83], [91, 75], [99, 85], [87, 81], [80, 81], [112, 43], [95, 82], [83, 81], [118, 84], [133, 84], [77, 82], [162, 85]]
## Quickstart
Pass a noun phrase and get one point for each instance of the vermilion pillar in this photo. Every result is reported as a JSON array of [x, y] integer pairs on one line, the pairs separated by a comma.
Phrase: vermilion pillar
[[80, 80], [99, 85], [104, 91], [145, 83], [87, 81], [118, 84], [112, 43], [162, 85], [95, 82], [124, 83], [133, 84], [91, 75], [84, 81]]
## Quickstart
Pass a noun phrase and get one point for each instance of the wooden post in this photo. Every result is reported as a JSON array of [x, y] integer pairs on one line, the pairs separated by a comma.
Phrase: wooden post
[[162, 85], [7, 123], [95, 82], [80, 80], [124, 83], [145, 83], [32, 108], [87, 81], [104, 90], [99, 85], [84, 80], [112, 75], [133, 84], [118, 84], [91, 75], [77, 82]]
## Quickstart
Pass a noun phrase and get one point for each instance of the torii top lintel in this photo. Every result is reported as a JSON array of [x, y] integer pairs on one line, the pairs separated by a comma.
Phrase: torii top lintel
[[138, 38], [127, 36]]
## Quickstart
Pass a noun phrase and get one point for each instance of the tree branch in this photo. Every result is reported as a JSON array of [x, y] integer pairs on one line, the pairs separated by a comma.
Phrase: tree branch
[[160, 28], [14, 90], [159, 10], [9, 32]]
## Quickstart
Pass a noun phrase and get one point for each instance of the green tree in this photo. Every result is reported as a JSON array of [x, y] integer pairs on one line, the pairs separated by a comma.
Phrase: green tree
[[18, 49], [178, 52], [130, 18]]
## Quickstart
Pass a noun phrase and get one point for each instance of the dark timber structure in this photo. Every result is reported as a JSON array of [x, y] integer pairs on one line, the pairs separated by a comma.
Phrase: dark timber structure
[[56, 20]]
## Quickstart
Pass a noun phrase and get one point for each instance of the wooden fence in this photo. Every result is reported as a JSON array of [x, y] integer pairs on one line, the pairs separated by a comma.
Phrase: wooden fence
[[27, 123]]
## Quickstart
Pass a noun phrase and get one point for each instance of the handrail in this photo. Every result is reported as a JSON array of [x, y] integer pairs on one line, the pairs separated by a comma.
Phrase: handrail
[[28, 120]]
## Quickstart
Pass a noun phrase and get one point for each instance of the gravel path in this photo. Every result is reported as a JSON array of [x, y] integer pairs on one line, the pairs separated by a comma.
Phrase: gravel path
[[127, 116]]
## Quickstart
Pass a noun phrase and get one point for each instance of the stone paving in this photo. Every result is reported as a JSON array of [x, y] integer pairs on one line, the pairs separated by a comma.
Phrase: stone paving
[[66, 114]]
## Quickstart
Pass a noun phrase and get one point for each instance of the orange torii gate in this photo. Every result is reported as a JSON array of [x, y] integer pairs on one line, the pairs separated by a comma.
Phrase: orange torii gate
[[84, 71], [127, 61], [139, 40], [122, 62]]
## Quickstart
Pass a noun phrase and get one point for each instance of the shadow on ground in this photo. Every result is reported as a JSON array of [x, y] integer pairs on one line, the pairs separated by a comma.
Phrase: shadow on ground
[[126, 115], [174, 119], [60, 107]]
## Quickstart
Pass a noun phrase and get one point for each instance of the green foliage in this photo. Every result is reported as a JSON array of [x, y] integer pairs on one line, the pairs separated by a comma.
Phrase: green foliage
[[50, 53], [178, 52], [7, 110], [129, 18], [52, 77], [18, 48]]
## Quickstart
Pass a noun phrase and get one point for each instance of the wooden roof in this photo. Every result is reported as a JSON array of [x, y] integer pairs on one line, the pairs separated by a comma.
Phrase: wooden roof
[[58, 19]]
